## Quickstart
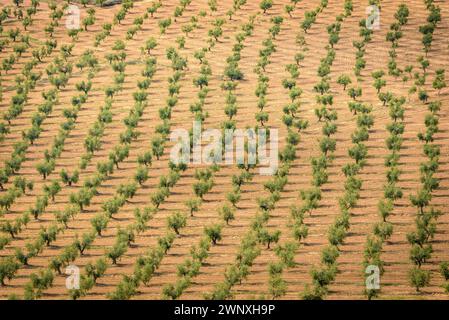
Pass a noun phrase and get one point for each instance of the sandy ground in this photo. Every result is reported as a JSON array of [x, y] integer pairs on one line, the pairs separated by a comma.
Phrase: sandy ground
[[350, 280]]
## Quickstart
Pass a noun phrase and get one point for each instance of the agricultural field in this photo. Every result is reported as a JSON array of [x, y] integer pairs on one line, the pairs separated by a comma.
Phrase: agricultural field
[[352, 96]]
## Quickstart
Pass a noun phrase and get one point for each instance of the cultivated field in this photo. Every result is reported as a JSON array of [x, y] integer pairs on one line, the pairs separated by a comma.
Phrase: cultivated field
[[86, 179]]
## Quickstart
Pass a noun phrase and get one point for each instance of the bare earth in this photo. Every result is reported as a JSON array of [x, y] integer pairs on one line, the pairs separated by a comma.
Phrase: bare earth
[[349, 283]]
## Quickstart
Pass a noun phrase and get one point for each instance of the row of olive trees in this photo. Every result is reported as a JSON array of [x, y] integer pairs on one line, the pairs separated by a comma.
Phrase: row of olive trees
[[39, 55], [126, 192], [14, 33], [324, 274], [310, 16], [258, 234], [117, 61], [383, 230], [392, 192], [212, 233], [28, 137], [178, 220], [47, 166], [310, 197], [13, 228], [360, 62], [420, 239], [13, 164], [58, 72], [18, 156], [178, 12], [276, 185], [119, 16], [394, 35], [232, 75], [79, 200], [289, 8], [263, 80], [83, 198], [123, 194], [28, 78], [190, 267], [145, 268]]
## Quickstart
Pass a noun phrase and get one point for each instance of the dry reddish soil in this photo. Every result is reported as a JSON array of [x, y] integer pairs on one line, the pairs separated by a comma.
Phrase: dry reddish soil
[[349, 283]]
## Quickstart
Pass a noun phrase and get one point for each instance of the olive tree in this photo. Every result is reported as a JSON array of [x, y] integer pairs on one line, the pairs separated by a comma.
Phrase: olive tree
[[213, 232], [177, 221]]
